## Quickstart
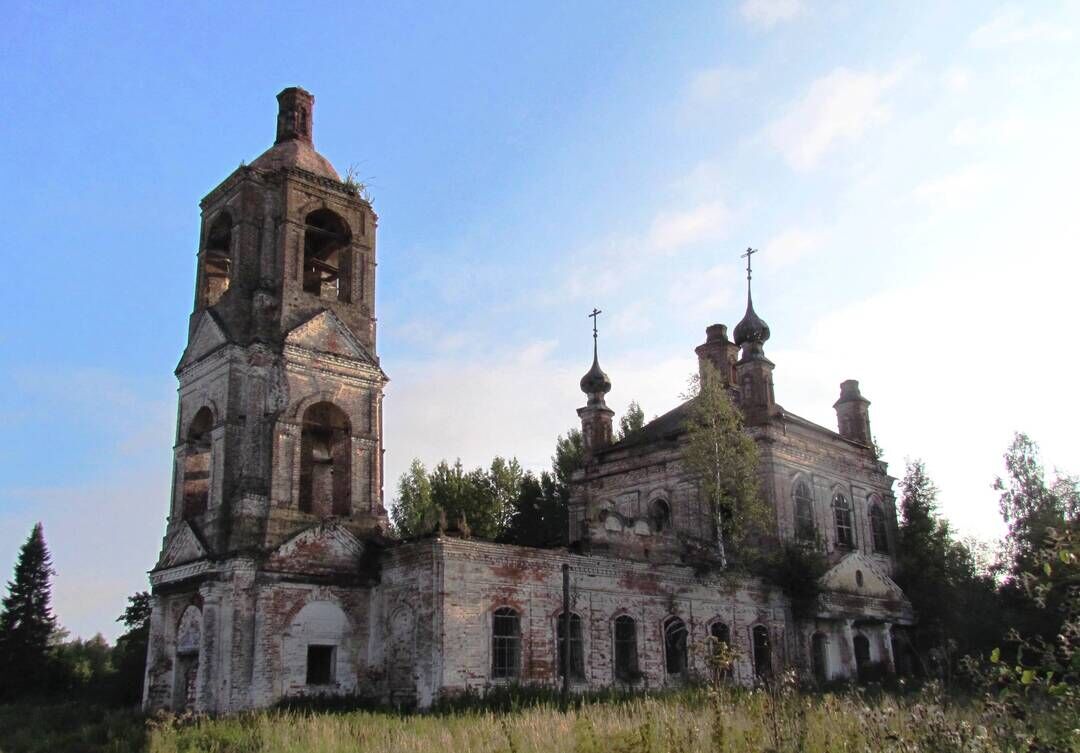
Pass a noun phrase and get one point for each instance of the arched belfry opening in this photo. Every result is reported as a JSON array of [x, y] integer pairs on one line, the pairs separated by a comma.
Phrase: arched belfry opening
[[327, 259], [197, 457], [324, 461], [216, 261]]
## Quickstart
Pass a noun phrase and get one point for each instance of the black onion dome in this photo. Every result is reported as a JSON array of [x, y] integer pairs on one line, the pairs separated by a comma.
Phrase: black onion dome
[[595, 381], [752, 328]]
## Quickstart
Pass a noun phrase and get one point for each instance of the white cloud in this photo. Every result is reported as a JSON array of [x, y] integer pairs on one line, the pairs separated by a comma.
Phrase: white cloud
[[717, 84], [997, 133], [1010, 27], [673, 230], [959, 189], [791, 246], [768, 13], [957, 78], [702, 294], [839, 107]]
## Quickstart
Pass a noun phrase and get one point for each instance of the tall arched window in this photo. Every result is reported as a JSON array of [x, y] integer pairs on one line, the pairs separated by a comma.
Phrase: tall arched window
[[675, 646], [626, 659], [862, 653], [660, 515], [197, 454], [878, 531], [186, 664], [216, 261], [327, 259], [845, 531], [325, 487], [505, 643], [819, 656], [577, 652], [719, 642], [804, 512], [762, 651]]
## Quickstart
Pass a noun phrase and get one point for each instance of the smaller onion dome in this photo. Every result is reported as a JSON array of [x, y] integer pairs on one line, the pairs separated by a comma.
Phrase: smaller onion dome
[[595, 382], [752, 328]]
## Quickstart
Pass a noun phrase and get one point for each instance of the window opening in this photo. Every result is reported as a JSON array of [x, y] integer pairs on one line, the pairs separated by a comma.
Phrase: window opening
[[804, 512], [505, 643], [325, 449], [674, 646], [197, 452], [216, 261], [845, 532], [859, 578], [327, 262], [320, 665], [661, 515], [577, 653], [762, 652], [626, 659], [862, 653], [878, 531], [819, 653], [720, 640]]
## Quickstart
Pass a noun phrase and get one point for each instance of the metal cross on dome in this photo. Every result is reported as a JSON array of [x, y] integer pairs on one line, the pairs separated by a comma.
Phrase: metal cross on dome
[[749, 252], [595, 313]]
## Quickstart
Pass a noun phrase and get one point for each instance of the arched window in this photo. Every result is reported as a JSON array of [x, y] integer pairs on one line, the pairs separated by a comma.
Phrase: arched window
[[845, 531], [804, 512], [186, 664], [505, 643], [317, 647], [626, 659], [675, 646], [862, 653], [216, 261], [327, 259], [762, 651], [719, 643], [859, 578], [197, 464], [748, 389], [660, 515], [577, 652], [325, 487], [878, 531], [819, 656]]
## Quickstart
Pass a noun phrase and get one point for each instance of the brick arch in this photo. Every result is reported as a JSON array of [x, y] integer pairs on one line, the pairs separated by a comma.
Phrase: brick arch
[[294, 414]]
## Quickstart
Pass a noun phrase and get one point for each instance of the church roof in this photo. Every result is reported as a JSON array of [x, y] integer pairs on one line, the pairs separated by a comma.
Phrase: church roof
[[668, 426], [296, 153]]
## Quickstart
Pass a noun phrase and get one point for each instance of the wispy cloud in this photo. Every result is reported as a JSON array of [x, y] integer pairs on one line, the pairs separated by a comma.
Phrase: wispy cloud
[[1012, 26], [958, 189], [769, 13], [839, 107], [673, 230], [790, 246]]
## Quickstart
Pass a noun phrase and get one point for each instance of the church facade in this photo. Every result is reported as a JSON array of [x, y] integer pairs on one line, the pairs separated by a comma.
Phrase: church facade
[[278, 577]]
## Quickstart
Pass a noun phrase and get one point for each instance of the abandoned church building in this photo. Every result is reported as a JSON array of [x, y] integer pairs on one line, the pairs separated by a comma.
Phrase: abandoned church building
[[278, 576]]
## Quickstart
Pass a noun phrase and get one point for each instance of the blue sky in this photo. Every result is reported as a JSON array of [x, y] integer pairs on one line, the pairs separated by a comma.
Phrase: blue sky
[[908, 171]]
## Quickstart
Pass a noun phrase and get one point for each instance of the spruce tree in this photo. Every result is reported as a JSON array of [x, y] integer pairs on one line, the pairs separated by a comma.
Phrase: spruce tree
[[27, 621]]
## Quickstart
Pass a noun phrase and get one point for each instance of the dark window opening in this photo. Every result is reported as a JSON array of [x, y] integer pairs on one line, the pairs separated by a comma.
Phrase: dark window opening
[[320, 665], [819, 657], [660, 514], [878, 531], [762, 652], [675, 646], [845, 531], [804, 512], [719, 643], [626, 658], [325, 450], [577, 652], [862, 653], [505, 643], [327, 258], [216, 262], [197, 453], [859, 578]]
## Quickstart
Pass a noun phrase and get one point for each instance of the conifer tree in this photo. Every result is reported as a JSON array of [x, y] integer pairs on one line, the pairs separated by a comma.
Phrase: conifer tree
[[26, 620]]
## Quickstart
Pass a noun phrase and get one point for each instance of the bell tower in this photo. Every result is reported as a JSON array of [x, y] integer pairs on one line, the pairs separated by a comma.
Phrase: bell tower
[[279, 422]]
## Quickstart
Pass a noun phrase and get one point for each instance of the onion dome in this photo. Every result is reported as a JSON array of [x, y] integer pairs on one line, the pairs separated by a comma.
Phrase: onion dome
[[595, 382], [752, 328]]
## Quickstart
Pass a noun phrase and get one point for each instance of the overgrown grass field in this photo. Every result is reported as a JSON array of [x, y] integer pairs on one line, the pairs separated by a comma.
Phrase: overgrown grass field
[[744, 721]]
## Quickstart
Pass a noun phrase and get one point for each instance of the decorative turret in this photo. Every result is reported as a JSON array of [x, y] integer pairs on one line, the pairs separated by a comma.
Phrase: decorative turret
[[719, 352], [853, 413], [753, 369], [595, 416]]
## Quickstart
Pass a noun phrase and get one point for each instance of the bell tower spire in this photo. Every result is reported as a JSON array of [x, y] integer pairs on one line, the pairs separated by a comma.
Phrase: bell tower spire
[[753, 370], [595, 416]]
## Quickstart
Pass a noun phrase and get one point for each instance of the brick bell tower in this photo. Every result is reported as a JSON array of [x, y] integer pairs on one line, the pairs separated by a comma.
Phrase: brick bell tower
[[278, 456]]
